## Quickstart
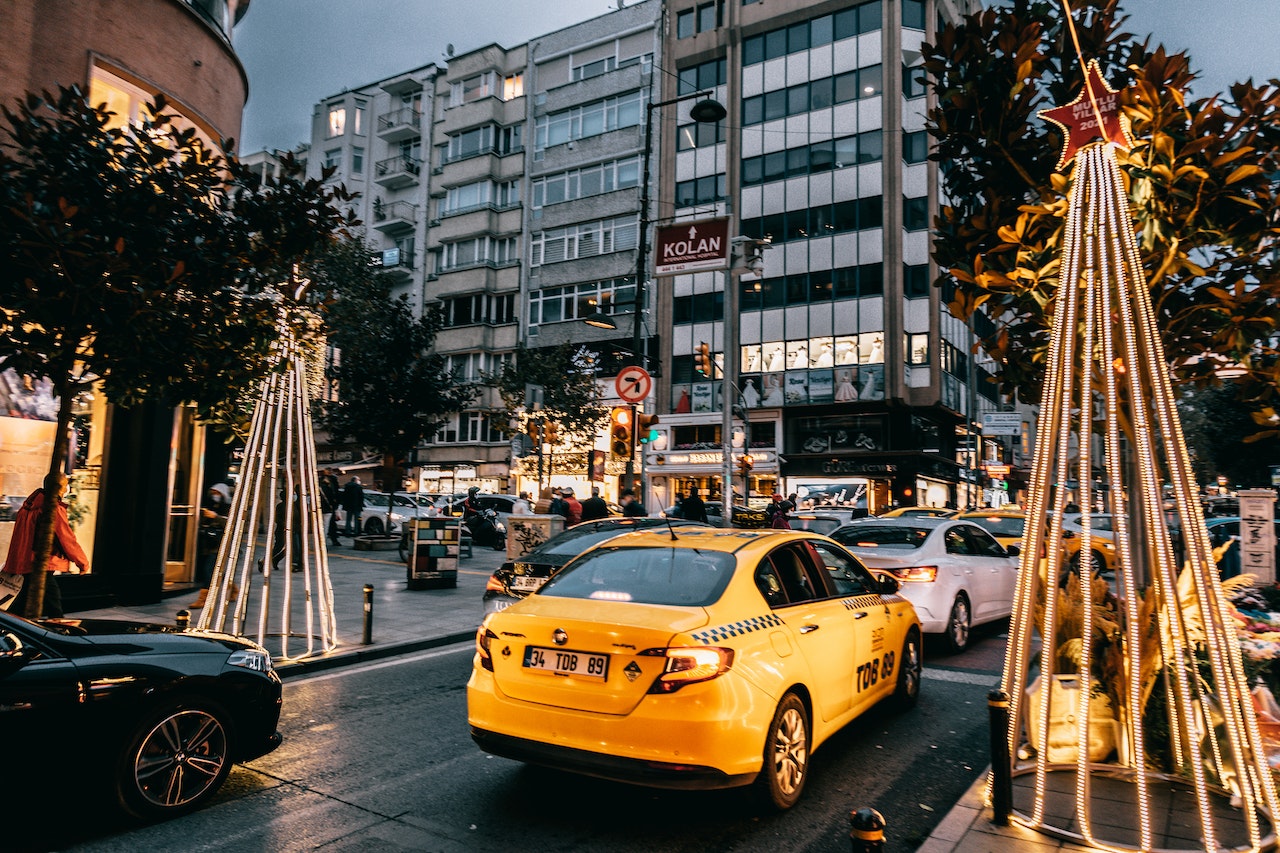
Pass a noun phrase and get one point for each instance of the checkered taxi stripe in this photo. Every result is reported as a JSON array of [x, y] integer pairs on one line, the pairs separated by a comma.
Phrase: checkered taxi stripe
[[737, 629], [860, 601]]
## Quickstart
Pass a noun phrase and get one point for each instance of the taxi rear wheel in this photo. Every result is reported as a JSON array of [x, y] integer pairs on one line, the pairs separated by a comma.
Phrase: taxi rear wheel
[[907, 692], [786, 756], [957, 632]]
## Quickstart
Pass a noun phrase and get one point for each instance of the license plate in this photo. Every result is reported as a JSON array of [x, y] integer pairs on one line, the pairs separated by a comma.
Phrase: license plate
[[525, 583], [566, 662]]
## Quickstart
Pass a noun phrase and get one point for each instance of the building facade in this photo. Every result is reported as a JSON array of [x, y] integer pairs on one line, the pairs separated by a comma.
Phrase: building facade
[[136, 475], [505, 186]]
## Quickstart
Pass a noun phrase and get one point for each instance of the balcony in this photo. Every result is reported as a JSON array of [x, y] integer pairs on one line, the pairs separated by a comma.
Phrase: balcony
[[399, 125], [396, 261], [395, 217], [399, 171]]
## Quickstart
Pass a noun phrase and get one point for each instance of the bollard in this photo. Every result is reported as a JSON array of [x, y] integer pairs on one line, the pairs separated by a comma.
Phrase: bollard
[[368, 614], [183, 620], [866, 832], [1001, 765]]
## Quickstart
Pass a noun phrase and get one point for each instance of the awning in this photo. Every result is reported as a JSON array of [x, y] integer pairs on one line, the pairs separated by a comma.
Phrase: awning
[[367, 462]]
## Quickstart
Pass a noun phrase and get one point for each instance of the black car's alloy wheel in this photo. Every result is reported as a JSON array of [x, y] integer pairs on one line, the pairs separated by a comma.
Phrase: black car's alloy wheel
[[176, 760]]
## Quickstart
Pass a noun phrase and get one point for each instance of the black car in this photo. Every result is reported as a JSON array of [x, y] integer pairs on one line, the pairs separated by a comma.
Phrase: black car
[[515, 579], [152, 715]]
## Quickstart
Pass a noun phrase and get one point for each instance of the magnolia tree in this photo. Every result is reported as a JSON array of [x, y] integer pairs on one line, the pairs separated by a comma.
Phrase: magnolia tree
[[136, 260], [1201, 183]]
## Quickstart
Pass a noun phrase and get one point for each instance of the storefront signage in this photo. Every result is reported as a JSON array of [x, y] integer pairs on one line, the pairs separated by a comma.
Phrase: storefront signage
[[713, 458], [691, 246], [1002, 423], [1257, 534], [849, 466]]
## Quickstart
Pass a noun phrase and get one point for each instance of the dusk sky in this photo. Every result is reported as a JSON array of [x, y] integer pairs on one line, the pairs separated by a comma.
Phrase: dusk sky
[[297, 52]]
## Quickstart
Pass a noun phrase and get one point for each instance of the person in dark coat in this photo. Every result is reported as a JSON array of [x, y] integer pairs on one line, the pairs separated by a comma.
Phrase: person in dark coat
[[693, 508], [594, 507], [353, 505], [330, 502], [632, 508]]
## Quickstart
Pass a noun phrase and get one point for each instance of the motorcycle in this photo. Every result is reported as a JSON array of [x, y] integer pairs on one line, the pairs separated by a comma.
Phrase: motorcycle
[[487, 530]]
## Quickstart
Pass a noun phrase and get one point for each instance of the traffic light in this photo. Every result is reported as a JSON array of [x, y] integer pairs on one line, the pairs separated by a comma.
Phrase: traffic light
[[745, 464], [702, 360], [551, 433], [535, 432], [620, 432], [644, 427]]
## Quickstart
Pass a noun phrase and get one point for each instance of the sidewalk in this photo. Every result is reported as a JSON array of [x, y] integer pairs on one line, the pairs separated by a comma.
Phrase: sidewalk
[[407, 620]]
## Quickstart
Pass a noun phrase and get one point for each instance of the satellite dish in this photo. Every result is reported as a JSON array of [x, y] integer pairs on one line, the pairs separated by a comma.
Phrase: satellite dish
[[448, 50]]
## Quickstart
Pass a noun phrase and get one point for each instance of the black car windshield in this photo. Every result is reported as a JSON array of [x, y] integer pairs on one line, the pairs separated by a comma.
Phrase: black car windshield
[[875, 536], [681, 577]]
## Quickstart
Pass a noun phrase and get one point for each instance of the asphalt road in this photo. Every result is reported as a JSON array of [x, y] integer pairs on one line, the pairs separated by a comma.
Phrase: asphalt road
[[378, 757]]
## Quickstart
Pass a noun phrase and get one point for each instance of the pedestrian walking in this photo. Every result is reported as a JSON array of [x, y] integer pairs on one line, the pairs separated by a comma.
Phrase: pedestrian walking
[[693, 508], [353, 505], [595, 506], [573, 509], [631, 506], [22, 549]]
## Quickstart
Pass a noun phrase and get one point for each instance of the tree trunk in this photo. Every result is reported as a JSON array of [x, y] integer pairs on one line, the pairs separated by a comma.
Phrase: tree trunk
[[43, 543]]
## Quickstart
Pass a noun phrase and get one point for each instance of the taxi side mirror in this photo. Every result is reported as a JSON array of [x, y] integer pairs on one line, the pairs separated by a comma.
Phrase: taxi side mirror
[[888, 584], [1013, 550]]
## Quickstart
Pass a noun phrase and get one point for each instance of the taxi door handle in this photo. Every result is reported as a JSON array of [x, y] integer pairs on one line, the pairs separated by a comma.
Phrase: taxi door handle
[[861, 614], [808, 629]]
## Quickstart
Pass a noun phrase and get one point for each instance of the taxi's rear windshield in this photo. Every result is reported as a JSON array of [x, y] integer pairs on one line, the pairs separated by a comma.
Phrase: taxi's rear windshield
[[877, 536], [682, 577], [999, 525]]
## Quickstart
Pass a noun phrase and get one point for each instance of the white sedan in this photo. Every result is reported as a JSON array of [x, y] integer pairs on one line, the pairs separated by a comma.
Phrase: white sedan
[[954, 572]]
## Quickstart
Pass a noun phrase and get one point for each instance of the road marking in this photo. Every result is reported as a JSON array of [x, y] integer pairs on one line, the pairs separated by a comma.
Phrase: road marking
[[466, 646], [957, 677]]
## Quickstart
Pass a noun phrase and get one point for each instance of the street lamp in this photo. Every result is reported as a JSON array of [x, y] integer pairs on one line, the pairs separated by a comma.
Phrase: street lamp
[[706, 111]]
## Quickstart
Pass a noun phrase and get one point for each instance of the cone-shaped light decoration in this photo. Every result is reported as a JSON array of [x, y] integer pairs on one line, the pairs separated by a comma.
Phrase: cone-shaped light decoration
[[254, 574], [1131, 726]]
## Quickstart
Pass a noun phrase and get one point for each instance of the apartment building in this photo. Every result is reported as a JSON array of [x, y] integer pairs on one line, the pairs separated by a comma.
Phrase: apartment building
[[856, 384]]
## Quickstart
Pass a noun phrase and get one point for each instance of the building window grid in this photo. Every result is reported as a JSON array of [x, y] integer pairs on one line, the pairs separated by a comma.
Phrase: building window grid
[[816, 32], [478, 309], [584, 240], [593, 119], [487, 139], [817, 157], [841, 217], [579, 301], [814, 95], [703, 76], [478, 251], [586, 182], [480, 195], [915, 146], [705, 190], [812, 288]]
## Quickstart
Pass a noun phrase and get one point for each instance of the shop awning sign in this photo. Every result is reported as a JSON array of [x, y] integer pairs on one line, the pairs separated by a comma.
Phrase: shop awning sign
[[692, 246]]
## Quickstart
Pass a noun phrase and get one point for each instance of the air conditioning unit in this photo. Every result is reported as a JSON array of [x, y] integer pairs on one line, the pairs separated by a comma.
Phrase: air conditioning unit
[[438, 170]]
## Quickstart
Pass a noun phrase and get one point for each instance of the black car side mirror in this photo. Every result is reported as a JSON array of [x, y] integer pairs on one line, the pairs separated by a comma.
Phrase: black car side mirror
[[889, 585], [1013, 550], [13, 654]]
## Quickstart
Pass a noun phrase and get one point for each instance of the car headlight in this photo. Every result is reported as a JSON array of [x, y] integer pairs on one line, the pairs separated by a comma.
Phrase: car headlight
[[258, 660]]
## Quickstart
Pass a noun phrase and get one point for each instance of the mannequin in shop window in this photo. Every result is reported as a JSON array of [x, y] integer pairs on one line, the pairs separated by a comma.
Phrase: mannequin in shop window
[[824, 358], [845, 392], [773, 390], [750, 396], [800, 360]]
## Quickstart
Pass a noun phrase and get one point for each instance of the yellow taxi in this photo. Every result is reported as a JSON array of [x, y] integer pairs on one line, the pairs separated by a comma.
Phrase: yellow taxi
[[1007, 527], [918, 512], [694, 658]]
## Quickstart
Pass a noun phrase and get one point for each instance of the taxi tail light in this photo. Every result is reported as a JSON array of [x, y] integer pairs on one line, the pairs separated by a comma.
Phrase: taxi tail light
[[689, 666], [483, 638], [916, 574], [494, 584]]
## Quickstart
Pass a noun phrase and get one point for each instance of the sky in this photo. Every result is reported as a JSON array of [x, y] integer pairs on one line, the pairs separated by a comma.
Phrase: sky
[[297, 52]]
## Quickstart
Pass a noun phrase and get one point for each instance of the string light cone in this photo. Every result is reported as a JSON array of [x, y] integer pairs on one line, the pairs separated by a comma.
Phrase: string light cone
[[1130, 722], [286, 568]]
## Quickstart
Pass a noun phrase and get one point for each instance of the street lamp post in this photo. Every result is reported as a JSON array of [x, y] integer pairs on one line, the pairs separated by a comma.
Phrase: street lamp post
[[705, 111]]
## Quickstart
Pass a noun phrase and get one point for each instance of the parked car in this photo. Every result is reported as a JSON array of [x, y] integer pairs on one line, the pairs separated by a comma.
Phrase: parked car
[[1224, 531], [1006, 525], [694, 658], [918, 512], [743, 516], [515, 579], [817, 522], [374, 520], [1102, 549], [954, 572], [153, 715]]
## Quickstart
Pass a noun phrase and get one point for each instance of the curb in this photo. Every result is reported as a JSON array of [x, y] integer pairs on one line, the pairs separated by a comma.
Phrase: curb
[[366, 654]]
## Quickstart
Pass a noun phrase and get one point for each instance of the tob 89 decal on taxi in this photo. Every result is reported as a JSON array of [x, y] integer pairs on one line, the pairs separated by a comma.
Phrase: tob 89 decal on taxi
[[694, 658]]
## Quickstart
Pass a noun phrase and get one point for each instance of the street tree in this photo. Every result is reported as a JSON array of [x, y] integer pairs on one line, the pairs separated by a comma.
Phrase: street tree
[[136, 260], [571, 397], [1200, 181], [393, 390]]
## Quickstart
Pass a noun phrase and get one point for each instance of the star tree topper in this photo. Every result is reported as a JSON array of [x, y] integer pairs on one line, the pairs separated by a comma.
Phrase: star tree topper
[[1079, 119]]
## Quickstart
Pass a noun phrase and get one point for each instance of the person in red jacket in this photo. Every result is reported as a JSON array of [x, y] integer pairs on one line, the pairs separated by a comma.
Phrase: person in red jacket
[[22, 549], [574, 507]]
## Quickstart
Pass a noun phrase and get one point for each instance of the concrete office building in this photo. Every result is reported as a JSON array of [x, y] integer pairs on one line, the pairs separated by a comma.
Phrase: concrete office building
[[858, 384]]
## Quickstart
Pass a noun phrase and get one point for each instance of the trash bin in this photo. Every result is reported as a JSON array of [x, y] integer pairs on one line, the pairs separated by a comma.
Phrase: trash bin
[[433, 553]]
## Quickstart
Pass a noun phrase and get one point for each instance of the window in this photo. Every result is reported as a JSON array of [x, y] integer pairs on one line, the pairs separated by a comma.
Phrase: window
[[586, 182], [472, 89], [577, 302], [333, 158], [595, 69], [954, 361], [913, 82], [488, 251], [698, 308], [584, 240], [699, 135], [915, 281], [337, 121], [684, 24], [816, 94], [588, 120], [913, 14], [855, 215], [915, 213], [701, 191], [357, 160], [810, 159], [359, 118], [848, 576], [509, 140], [822, 30], [707, 75], [709, 15], [915, 146], [478, 308], [512, 86], [917, 348], [469, 143]]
